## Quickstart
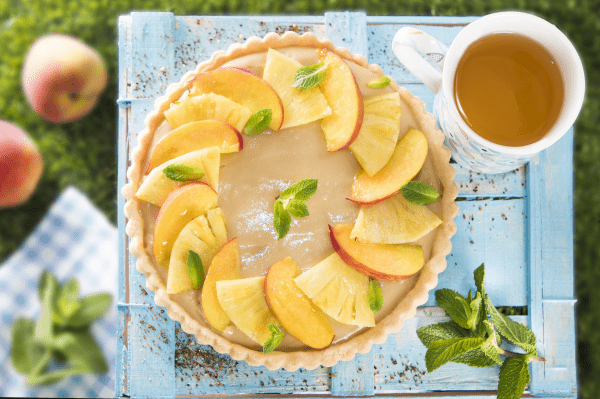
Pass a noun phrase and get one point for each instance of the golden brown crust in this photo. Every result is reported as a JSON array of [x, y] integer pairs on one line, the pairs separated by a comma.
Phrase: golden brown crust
[[308, 359]]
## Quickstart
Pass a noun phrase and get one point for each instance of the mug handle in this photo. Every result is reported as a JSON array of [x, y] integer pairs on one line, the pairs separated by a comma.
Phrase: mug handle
[[408, 43]]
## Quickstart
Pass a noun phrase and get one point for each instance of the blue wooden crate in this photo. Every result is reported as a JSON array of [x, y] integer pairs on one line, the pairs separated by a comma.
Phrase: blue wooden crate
[[520, 224]]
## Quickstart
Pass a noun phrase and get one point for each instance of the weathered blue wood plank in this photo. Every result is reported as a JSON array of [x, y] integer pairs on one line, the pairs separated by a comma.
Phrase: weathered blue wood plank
[[550, 203], [197, 38], [490, 232], [400, 364], [347, 29], [355, 377]]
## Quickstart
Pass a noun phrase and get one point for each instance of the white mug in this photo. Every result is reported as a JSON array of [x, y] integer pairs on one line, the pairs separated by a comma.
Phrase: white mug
[[467, 147]]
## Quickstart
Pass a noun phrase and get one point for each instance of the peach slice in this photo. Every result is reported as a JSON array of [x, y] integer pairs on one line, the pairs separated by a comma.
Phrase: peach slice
[[339, 291], [298, 315], [244, 88], [224, 266], [407, 160], [384, 262], [244, 302], [196, 236], [393, 221], [156, 186], [195, 136], [181, 206], [345, 99], [301, 106], [207, 106], [379, 132]]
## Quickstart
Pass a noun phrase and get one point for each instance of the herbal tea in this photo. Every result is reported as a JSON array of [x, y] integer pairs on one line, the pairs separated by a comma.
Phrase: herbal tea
[[508, 89]]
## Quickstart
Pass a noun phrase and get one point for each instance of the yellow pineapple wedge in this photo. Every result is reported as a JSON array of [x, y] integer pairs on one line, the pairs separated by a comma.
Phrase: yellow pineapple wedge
[[300, 106], [339, 291], [195, 236], [379, 132], [244, 303], [157, 187], [217, 225], [207, 106], [393, 221]]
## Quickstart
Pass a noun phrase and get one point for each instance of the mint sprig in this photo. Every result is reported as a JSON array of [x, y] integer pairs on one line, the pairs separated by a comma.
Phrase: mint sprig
[[474, 336], [259, 122], [379, 83], [419, 193], [310, 76], [274, 339], [291, 202], [183, 172], [62, 332]]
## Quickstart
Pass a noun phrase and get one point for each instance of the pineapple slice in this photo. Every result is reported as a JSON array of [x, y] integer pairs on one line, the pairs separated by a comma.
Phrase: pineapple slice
[[195, 236], [393, 221], [339, 291], [379, 132], [300, 106], [217, 225], [207, 106], [157, 187], [244, 303]]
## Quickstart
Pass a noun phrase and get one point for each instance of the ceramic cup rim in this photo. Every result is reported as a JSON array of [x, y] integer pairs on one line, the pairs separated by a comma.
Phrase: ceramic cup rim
[[574, 94]]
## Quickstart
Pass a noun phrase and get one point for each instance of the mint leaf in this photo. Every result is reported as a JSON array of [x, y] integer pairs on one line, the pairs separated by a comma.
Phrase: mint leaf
[[456, 306], [82, 351], [274, 339], [479, 275], [379, 83], [259, 122], [195, 268], [68, 299], [514, 377], [302, 190], [477, 306], [442, 352], [419, 193], [92, 307], [511, 330], [310, 76], [375, 296], [47, 279], [442, 331], [475, 358], [25, 353], [281, 220], [297, 208], [183, 172]]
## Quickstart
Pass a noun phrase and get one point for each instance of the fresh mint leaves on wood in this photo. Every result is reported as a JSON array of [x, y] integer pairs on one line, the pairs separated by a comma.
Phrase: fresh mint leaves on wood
[[474, 336], [62, 332], [291, 202]]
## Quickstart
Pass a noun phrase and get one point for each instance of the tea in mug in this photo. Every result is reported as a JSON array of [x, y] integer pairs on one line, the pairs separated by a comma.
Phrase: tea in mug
[[508, 89]]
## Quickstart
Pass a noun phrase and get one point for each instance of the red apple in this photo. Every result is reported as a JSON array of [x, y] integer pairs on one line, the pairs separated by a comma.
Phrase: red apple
[[62, 78], [21, 165]]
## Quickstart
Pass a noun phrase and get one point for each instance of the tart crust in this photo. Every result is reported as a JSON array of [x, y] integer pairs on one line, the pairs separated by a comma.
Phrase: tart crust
[[308, 358]]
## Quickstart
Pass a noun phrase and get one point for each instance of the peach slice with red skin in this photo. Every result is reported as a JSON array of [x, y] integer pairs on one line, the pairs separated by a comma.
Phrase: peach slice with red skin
[[224, 266], [343, 95], [195, 136], [298, 315], [243, 87], [407, 160], [389, 262], [181, 207]]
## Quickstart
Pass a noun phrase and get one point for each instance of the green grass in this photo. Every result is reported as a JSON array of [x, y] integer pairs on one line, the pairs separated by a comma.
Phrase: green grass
[[83, 154]]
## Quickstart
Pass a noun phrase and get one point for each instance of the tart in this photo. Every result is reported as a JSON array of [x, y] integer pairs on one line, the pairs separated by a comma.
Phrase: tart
[[358, 220]]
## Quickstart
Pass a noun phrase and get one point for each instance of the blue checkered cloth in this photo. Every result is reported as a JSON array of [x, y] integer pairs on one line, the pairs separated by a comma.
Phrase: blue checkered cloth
[[73, 240]]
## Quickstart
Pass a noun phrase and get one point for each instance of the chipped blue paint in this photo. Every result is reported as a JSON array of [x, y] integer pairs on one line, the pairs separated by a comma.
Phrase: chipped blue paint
[[520, 225]]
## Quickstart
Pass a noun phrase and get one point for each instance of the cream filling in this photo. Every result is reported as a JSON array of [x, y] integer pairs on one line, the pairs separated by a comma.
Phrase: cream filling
[[251, 180]]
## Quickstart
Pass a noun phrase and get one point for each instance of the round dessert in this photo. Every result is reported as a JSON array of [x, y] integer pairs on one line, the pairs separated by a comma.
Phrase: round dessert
[[269, 194]]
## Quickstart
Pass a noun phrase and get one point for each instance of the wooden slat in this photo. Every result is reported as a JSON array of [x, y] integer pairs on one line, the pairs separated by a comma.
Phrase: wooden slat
[[490, 232], [552, 317]]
